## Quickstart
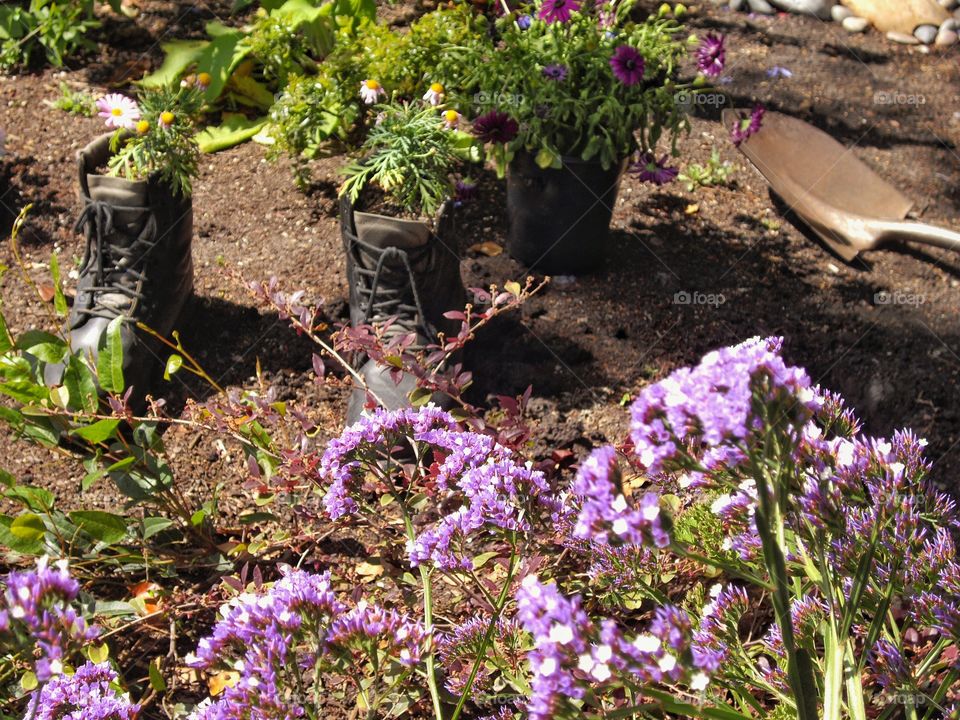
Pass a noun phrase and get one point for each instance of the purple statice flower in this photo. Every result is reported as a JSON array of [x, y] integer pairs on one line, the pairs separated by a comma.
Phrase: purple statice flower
[[523, 22], [747, 126], [293, 630], [605, 516], [495, 127], [712, 55], [623, 566], [892, 670], [36, 608], [497, 495], [719, 623], [558, 11], [628, 65], [779, 72], [360, 448], [459, 648], [395, 633], [651, 170], [555, 72], [715, 406], [85, 695]]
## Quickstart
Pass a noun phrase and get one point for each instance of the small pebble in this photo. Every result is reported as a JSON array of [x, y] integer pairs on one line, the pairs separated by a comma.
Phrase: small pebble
[[737, 4], [926, 33], [948, 4], [855, 24], [950, 24], [902, 38], [817, 8], [839, 13], [946, 38]]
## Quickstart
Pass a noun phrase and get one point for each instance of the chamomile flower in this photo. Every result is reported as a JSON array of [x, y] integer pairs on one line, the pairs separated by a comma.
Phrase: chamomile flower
[[371, 91], [118, 111]]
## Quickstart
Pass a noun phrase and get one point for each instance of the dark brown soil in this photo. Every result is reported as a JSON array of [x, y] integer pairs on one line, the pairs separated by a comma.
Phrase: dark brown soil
[[585, 344]]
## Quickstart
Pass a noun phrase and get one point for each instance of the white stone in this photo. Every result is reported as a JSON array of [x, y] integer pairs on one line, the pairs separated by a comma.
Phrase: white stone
[[950, 24], [946, 38], [902, 38], [761, 6], [817, 8], [855, 24], [948, 4], [926, 33], [839, 13]]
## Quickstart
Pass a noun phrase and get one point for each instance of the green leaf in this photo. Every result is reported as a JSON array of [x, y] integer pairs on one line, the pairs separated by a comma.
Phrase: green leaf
[[179, 56], [29, 681], [8, 539], [480, 560], [28, 527], [154, 525], [33, 498], [174, 363], [102, 526], [114, 608], [156, 679], [546, 159], [110, 358], [98, 653], [99, 432], [80, 383], [6, 342], [59, 301], [233, 130]]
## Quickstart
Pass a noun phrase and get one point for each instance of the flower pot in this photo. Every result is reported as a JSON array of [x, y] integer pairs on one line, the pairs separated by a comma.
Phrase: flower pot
[[559, 220]]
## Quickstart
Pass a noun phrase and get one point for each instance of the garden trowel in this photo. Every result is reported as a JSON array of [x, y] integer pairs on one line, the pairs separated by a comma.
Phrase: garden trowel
[[847, 204]]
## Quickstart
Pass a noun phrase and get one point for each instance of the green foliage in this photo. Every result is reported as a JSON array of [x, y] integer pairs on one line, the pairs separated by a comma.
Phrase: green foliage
[[75, 102], [51, 29], [164, 140], [410, 155], [317, 108], [590, 113], [715, 173]]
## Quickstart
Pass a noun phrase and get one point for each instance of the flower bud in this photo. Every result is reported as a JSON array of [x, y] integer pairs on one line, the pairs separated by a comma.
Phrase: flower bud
[[143, 127]]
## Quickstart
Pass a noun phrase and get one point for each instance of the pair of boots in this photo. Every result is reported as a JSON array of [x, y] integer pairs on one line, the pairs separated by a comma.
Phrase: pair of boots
[[138, 265]]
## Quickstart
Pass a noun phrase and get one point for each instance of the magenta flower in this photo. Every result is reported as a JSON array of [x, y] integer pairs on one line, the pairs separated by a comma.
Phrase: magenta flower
[[649, 169], [712, 55], [495, 127], [555, 72], [558, 10], [118, 111], [628, 65], [748, 126]]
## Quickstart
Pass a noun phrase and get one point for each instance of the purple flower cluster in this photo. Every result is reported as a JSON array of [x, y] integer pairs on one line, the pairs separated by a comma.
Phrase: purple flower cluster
[[571, 653], [628, 65], [294, 628], [719, 621], [362, 445], [712, 55], [459, 649], [748, 126], [717, 406], [85, 695], [605, 515], [35, 607]]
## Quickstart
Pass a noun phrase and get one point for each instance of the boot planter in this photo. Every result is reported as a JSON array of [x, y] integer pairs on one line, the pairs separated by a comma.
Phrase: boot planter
[[559, 220], [137, 265], [403, 269]]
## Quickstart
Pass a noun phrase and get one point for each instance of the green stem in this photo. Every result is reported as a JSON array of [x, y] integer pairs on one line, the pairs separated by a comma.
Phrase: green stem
[[430, 660], [481, 655]]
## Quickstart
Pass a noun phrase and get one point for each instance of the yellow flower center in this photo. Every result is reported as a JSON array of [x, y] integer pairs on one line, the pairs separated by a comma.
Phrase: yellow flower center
[[204, 79], [372, 84], [451, 116], [116, 112], [143, 126], [437, 88], [166, 118]]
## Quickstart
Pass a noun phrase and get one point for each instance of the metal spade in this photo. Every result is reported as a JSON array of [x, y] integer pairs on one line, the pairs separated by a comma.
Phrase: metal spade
[[845, 202]]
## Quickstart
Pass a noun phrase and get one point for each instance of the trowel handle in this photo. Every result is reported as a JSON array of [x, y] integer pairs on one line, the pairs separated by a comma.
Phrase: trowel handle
[[919, 232]]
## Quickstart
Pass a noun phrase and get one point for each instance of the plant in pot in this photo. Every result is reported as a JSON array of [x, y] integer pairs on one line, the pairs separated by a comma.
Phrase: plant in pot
[[570, 91], [137, 220], [399, 234]]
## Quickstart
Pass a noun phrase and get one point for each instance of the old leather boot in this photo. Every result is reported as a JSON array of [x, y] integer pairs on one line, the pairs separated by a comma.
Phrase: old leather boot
[[137, 265], [399, 268]]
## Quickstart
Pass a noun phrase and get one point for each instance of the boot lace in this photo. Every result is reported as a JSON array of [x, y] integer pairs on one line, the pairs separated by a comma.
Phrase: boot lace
[[383, 297], [117, 269]]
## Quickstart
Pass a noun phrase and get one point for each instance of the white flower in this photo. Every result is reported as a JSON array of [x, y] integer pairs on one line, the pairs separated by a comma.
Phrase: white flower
[[600, 672], [434, 95], [667, 663], [699, 681], [561, 634], [646, 643], [371, 91], [548, 667], [118, 111], [451, 119]]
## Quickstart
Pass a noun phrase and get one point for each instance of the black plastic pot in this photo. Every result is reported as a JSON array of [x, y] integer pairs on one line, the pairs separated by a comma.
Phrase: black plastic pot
[[559, 220]]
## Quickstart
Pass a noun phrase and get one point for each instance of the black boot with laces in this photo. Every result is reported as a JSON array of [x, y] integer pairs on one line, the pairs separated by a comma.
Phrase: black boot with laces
[[399, 269], [137, 265]]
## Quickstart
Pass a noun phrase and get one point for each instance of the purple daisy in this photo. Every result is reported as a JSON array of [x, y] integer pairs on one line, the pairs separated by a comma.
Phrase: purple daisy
[[558, 10], [649, 169], [628, 65], [747, 126], [712, 55], [496, 127], [555, 72]]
